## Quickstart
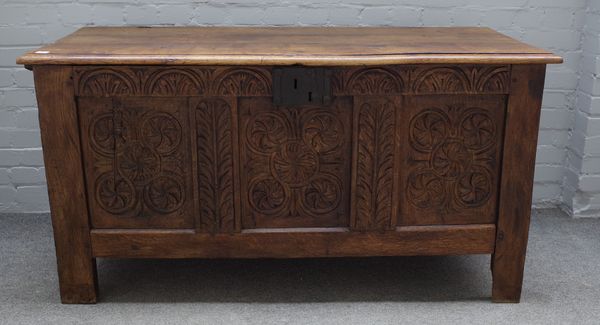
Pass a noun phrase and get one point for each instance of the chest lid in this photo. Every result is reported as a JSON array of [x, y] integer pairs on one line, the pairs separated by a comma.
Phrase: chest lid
[[286, 46]]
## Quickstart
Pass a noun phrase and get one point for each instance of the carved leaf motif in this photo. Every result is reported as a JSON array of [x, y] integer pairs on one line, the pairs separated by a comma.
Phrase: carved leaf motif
[[375, 81], [106, 82], [495, 79], [215, 165], [174, 82], [243, 82], [337, 81], [441, 80], [375, 165]]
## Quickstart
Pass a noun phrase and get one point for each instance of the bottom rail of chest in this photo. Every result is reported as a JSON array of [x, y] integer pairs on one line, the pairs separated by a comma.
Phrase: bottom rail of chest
[[281, 243]]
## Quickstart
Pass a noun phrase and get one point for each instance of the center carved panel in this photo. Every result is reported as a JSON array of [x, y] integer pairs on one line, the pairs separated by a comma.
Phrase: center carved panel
[[295, 166]]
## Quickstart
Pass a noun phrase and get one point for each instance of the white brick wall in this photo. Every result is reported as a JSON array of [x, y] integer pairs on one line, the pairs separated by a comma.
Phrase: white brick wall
[[581, 192], [554, 24]]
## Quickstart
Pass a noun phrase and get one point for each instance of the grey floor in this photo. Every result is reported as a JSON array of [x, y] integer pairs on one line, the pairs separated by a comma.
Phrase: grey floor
[[562, 285]]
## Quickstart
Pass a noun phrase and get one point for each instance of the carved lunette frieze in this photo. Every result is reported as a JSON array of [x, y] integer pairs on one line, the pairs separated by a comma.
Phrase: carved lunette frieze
[[423, 79], [256, 81], [172, 81]]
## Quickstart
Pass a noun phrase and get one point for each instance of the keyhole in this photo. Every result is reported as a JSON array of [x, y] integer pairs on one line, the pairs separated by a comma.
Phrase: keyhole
[[310, 96], [295, 83]]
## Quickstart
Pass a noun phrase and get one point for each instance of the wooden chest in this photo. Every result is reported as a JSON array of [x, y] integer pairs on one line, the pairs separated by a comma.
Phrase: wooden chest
[[287, 143]]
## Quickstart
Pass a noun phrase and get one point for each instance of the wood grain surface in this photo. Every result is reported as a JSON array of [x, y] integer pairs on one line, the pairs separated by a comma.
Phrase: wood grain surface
[[286, 46], [166, 143], [516, 184], [278, 243], [66, 189]]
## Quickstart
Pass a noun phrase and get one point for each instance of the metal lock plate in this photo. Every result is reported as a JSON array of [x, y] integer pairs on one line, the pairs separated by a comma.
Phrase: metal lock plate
[[294, 86]]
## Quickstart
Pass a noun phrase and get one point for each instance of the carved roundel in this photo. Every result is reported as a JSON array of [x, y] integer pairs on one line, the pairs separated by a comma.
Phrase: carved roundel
[[115, 194], [162, 132], [268, 196], [451, 158], [164, 194], [474, 188], [323, 131], [139, 163], [428, 129], [322, 195], [102, 134], [425, 189], [266, 132], [477, 130], [295, 163]]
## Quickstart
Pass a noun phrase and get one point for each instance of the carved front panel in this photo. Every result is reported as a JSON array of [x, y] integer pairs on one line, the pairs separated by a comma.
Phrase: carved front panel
[[295, 166], [204, 147], [136, 153], [451, 159]]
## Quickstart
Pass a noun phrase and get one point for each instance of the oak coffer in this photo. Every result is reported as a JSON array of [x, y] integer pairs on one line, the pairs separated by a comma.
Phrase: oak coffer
[[287, 143]]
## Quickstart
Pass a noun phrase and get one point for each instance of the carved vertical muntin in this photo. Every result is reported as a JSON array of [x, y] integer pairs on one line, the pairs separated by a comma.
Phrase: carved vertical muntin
[[216, 163], [375, 165]]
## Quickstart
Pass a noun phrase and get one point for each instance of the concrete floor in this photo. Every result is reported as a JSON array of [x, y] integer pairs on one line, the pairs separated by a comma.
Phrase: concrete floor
[[562, 285]]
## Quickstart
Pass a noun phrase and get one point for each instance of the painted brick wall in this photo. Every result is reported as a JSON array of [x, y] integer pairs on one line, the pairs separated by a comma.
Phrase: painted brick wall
[[25, 24], [581, 192]]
